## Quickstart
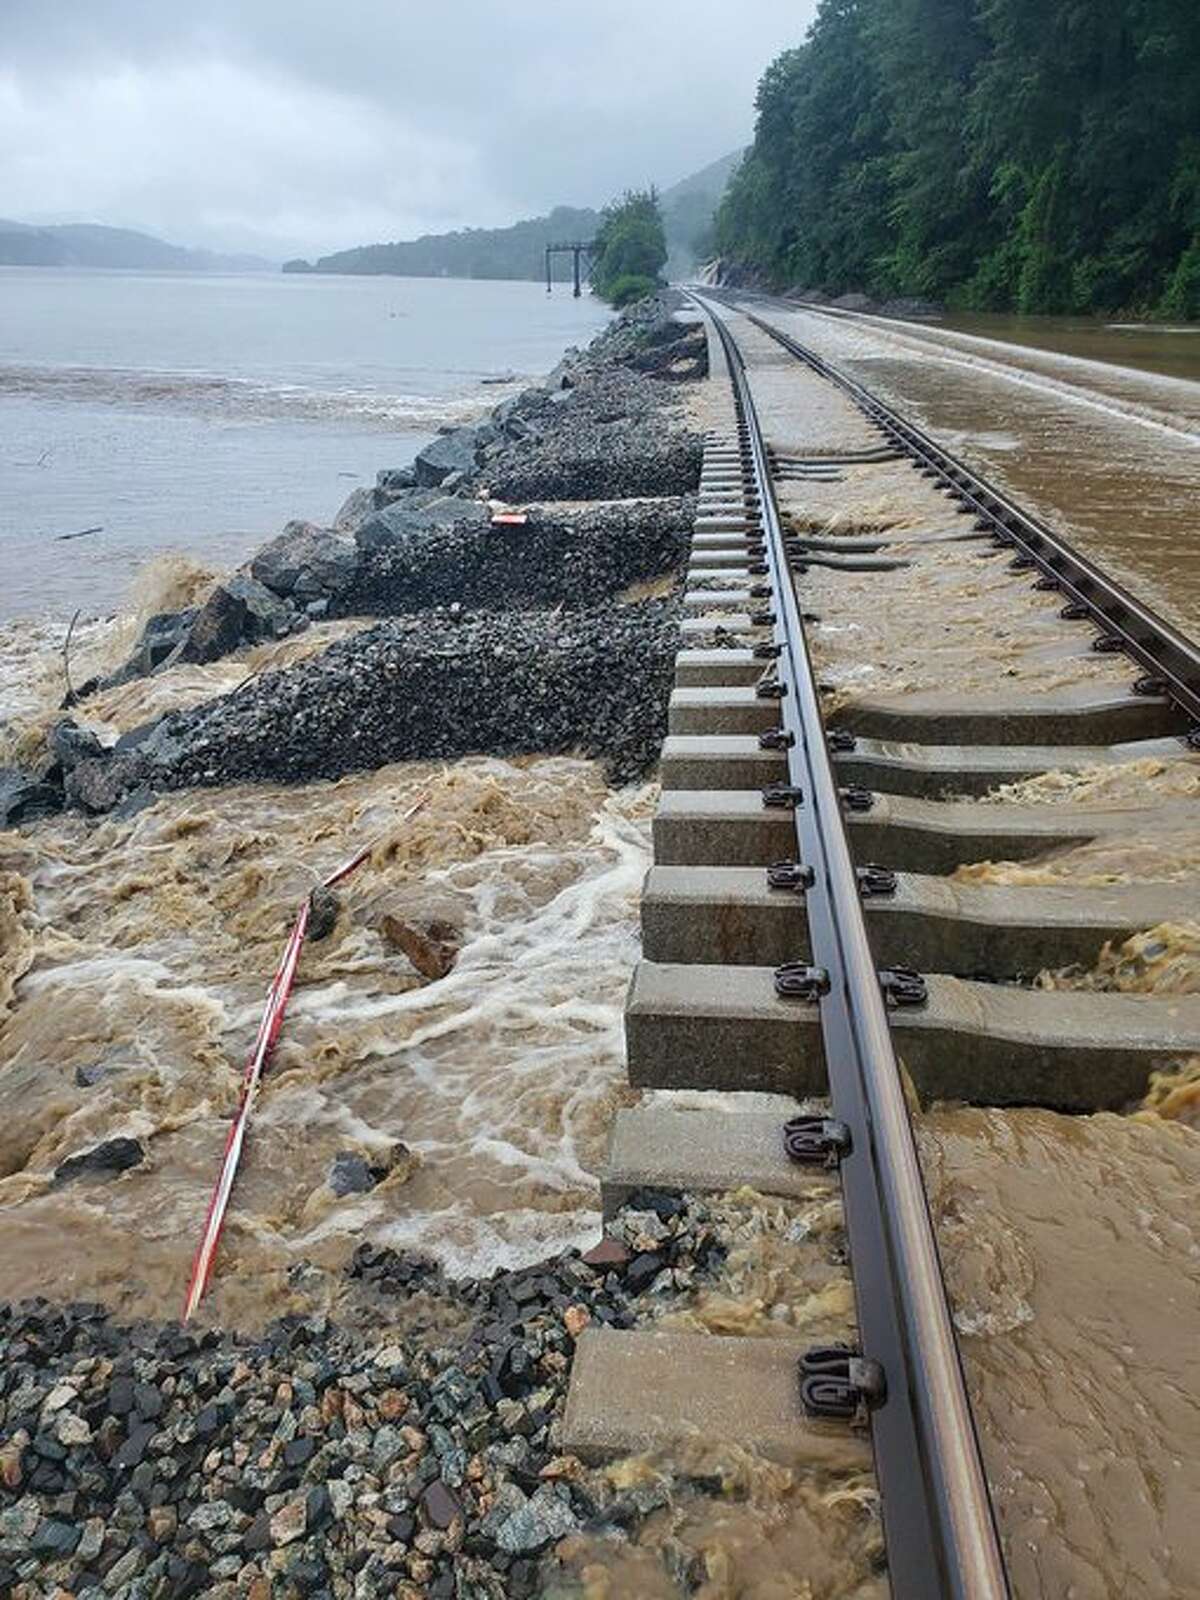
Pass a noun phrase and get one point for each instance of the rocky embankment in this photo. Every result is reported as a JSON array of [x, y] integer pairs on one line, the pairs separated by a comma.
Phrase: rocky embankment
[[510, 554], [417, 1460], [519, 590]]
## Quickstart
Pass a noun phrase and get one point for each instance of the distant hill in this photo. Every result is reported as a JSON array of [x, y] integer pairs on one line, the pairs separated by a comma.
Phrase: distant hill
[[513, 252], [87, 244], [688, 209], [518, 251]]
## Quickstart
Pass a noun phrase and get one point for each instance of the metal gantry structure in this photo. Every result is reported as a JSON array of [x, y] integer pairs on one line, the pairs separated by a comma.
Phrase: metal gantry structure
[[577, 249], [906, 1376]]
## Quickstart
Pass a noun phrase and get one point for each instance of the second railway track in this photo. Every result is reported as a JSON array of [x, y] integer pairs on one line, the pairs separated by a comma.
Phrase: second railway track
[[876, 640]]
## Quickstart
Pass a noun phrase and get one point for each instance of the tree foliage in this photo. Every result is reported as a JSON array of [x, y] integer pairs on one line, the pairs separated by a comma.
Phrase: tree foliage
[[1031, 155], [513, 252], [631, 248]]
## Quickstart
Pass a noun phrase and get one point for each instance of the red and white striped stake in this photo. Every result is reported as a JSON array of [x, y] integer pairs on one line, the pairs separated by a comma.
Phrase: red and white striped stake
[[264, 1043]]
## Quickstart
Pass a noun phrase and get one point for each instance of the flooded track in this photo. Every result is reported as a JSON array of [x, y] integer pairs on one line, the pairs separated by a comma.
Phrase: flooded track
[[141, 949], [1035, 830], [1031, 828], [1106, 453]]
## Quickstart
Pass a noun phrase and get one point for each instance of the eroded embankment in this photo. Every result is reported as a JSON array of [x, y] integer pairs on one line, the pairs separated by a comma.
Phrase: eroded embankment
[[418, 1458], [485, 590], [466, 1004], [452, 1053]]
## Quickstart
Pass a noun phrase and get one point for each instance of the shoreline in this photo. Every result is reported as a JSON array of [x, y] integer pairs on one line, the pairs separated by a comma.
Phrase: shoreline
[[595, 431], [409, 1448]]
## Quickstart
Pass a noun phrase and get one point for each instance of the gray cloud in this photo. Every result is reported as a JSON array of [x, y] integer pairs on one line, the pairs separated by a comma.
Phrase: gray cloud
[[293, 125]]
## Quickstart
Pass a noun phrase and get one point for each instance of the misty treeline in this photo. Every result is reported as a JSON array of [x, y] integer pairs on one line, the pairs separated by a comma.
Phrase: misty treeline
[[513, 252], [630, 248], [1030, 155]]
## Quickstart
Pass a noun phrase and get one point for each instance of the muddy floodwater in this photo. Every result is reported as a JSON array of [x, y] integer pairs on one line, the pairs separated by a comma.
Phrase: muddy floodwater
[[135, 953], [1095, 428], [1073, 1253], [141, 952]]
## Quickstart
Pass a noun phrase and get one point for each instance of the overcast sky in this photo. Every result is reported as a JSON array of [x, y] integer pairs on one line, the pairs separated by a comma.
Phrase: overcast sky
[[303, 126]]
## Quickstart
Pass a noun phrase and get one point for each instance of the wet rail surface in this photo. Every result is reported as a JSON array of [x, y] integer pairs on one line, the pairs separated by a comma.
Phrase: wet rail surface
[[1105, 453], [788, 976], [906, 1373], [940, 1528], [1172, 662]]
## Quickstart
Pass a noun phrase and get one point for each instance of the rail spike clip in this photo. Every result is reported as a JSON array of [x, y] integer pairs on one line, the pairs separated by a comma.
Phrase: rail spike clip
[[794, 875], [903, 987], [783, 796], [855, 798], [816, 1141], [876, 883], [795, 981], [838, 1383]]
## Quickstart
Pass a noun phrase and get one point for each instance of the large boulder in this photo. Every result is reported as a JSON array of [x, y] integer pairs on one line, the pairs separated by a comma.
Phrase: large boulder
[[240, 611], [413, 516], [449, 452], [306, 562], [392, 481], [355, 508], [98, 784], [162, 636], [70, 744], [23, 796], [163, 633]]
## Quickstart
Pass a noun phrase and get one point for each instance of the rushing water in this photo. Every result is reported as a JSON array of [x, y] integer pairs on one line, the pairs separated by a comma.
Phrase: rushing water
[[201, 412], [1173, 352], [1107, 453], [134, 956], [142, 951]]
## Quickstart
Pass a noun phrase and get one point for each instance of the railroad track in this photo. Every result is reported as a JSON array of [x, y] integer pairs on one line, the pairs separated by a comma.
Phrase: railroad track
[[802, 930]]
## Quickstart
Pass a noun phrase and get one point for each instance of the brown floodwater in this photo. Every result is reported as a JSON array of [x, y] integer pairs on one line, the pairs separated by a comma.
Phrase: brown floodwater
[[134, 960], [1170, 351], [1072, 1249], [1095, 429]]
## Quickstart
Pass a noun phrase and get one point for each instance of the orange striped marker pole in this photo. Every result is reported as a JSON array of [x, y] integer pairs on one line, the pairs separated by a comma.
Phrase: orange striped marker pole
[[264, 1044]]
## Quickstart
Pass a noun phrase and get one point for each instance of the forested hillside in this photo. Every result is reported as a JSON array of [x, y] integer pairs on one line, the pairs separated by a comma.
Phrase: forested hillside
[[86, 244], [687, 209], [1032, 155], [514, 252]]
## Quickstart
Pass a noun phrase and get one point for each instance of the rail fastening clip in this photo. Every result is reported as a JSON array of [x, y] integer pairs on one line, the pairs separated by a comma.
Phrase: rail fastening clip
[[783, 796], [816, 1141], [837, 1382], [902, 986], [795, 981], [794, 875]]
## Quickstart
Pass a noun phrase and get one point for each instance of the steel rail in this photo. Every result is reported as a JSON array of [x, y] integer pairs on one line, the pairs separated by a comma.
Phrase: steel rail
[[1171, 660], [939, 1525]]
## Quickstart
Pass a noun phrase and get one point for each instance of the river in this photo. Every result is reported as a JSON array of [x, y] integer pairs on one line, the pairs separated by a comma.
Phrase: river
[[200, 412]]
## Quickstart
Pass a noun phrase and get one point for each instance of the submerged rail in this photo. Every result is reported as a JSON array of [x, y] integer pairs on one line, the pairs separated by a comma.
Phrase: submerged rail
[[1171, 661], [938, 1520]]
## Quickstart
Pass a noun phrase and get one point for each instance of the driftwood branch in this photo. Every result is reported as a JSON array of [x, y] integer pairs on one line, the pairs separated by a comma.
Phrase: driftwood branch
[[69, 698]]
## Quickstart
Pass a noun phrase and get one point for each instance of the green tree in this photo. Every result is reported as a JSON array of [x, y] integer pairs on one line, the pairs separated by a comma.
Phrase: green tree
[[631, 248], [1036, 155]]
